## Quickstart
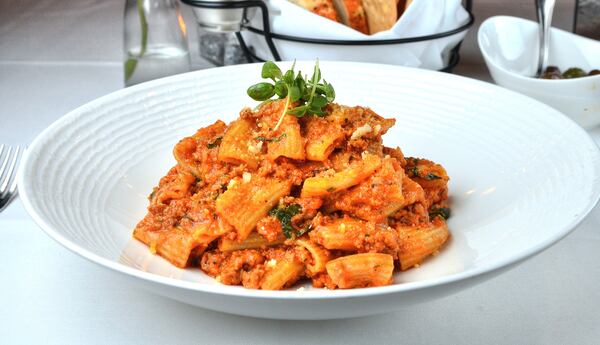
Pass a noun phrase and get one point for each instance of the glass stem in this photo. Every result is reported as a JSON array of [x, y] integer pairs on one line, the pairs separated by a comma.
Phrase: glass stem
[[131, 63], [144, 26]]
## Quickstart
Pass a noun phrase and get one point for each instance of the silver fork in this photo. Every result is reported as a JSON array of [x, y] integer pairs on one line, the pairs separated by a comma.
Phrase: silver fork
[[9, 162]]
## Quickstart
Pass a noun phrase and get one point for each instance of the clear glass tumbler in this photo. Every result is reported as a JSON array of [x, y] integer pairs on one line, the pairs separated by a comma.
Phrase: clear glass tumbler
[[155, 40]]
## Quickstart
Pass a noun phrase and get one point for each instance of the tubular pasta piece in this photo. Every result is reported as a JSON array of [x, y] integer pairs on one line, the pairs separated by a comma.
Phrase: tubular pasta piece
[[234, 146], [378, 196], [245, 203], [417, 243], [354, 174], [361, 270], [320, 256], [183, 153], [253, 241], [175, 245], [186, 151], [322, 136], [339, 234], [284, 272], [291, 144], [176, 189]]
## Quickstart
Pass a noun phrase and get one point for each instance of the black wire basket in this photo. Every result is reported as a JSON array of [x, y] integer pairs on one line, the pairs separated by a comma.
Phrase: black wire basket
[[269, 36]]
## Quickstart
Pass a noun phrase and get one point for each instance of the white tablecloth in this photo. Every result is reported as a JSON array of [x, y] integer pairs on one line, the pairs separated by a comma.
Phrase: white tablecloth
[[56, 55]]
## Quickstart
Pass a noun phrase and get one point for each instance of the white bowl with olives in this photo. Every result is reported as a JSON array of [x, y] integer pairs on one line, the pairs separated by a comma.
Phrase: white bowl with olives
[[572, 82]]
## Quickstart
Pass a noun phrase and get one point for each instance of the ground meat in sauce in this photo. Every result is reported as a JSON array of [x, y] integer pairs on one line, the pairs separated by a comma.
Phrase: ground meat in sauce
[[183, 224]]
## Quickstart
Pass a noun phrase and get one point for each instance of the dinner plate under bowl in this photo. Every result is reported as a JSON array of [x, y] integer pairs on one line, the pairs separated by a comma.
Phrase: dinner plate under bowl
[[522, 177]]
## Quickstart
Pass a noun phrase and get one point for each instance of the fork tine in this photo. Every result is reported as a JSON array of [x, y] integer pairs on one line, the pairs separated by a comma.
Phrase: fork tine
[[13, 185], [5, 161], [11, 170]]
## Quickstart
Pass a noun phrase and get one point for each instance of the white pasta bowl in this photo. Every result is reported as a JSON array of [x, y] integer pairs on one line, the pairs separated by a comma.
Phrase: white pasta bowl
[[512, 191], [510, 49]]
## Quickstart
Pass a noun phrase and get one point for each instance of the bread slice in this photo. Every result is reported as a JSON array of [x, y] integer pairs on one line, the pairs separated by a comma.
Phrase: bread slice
[[352, 14], [324, 8], [381, 14], [402, 6]]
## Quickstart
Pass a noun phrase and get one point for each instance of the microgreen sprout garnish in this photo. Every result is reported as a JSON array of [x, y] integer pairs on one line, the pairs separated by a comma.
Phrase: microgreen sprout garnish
[[310, 96]]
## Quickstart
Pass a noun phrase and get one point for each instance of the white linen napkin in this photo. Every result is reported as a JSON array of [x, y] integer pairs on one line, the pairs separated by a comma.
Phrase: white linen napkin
[[423, 17]]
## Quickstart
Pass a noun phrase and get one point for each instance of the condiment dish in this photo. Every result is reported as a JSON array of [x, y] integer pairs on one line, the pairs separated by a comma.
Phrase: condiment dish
[[510, 48]]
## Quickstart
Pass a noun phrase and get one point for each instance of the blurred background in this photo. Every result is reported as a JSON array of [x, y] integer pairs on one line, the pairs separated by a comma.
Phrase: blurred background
[[27, 25], [89, 51]]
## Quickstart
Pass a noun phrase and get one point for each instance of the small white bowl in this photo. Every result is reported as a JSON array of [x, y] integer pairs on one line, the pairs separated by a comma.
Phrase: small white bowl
[[509, 46]]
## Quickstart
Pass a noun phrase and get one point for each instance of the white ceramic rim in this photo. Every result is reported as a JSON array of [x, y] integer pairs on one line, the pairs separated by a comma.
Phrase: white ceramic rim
[[226, 290], [491, 61]]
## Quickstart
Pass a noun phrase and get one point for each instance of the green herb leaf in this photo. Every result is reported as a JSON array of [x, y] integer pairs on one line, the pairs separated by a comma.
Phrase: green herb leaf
[[261, 91], [270, 71], [316, 73], [317, 112], [300, 83], [281, 89], [272, 140], [130, 68], [298, 111], [308, 96], [215, 143], [294, 93], [432, 176], [443, 212], [284, 215], [319, 101], [329, 92], [288, 77]]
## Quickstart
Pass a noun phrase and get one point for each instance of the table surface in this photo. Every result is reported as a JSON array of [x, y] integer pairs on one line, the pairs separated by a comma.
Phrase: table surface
[[56, 55]]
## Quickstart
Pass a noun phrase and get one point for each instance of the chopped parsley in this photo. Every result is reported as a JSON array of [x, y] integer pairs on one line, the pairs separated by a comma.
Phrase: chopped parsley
[[432, 176], [284, 215], [215, 143], [443, 212], [272, 140], [413, 172]]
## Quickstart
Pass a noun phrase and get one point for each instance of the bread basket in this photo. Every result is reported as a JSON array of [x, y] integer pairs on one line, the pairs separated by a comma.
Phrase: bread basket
[[260, 39]]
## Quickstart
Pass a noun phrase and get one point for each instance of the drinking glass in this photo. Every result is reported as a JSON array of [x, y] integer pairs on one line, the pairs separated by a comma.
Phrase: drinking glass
[[155, 40]]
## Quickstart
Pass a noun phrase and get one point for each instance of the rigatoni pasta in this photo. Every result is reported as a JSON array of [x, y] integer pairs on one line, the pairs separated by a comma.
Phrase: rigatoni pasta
[[279, 196]]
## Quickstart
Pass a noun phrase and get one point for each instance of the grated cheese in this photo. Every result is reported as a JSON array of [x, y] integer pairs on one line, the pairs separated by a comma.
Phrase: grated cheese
[[377, 129], [256, 148], [231, 184], [246, 177], [271, 263], [360, 131]]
